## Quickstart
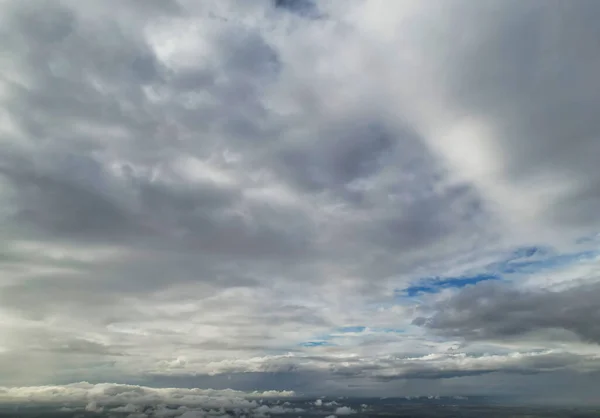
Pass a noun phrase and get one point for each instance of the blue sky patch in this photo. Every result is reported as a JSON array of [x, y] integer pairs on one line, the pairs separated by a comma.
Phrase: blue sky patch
[[316, 344], [436, 284], [524, 260], [352, 329]]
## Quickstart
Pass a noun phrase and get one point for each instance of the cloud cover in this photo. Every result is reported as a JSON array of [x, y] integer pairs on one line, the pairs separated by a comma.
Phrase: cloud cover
[[141, 402], [196, 189]]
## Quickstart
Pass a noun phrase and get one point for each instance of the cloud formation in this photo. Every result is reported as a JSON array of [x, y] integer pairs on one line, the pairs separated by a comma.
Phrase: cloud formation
[[494, 312], [220, 190], [139, 401]]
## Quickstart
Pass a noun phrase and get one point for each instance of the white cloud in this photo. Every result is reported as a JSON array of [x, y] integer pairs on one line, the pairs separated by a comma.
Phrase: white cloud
[[134, 399], [344, 410], [126, 408], [93, 407], [95, 396]]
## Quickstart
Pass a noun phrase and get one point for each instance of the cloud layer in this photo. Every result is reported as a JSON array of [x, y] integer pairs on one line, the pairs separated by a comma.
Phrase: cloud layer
[[201, 189], [142, 402]]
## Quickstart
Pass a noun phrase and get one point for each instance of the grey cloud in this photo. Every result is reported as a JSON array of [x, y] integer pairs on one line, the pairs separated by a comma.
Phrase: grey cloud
[[529, 70], [337, 157], [562, 386], [71, 201], [306, 8], [67, 191], [432, 367], [111, 394], [310, 193], [58, 341], [297, 381], [87, 86], [498, 311], [66, 209], [60, 105], [57, 95], [80, 200], [432, 217], [459, 365]]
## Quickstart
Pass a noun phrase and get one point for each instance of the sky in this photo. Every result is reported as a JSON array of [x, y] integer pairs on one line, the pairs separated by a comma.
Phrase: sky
[[386, 198]]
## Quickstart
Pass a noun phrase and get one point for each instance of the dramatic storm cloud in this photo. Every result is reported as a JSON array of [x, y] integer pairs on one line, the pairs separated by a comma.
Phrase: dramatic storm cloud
[[346, 196]]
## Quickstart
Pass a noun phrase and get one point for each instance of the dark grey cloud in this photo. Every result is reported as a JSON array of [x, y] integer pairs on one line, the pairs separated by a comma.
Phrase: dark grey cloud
[[344, 371], [304, 8], [75, 197], [65, 208], [88, 105], [337, 157], [528, 69], [500, 311]]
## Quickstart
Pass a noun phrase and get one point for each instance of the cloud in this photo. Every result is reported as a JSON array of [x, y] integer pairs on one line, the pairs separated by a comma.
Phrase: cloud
[[344, 410], [305, 8], [140, 400], [107, 394], [440, 365], [497, 311], [212, 189], [504, 82]]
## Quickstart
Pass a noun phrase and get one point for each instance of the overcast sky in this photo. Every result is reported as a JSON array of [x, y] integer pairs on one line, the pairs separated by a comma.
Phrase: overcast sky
[[387, 197]]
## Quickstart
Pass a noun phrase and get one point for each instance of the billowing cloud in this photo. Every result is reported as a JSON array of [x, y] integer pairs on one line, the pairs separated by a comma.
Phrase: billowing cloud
[[253, 190], [111, 394], [141, 400]]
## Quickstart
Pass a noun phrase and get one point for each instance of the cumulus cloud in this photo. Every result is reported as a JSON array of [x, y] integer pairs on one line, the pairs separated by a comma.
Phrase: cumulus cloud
[[146, 401], [214, 189], [344, 410], [131, 398]]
